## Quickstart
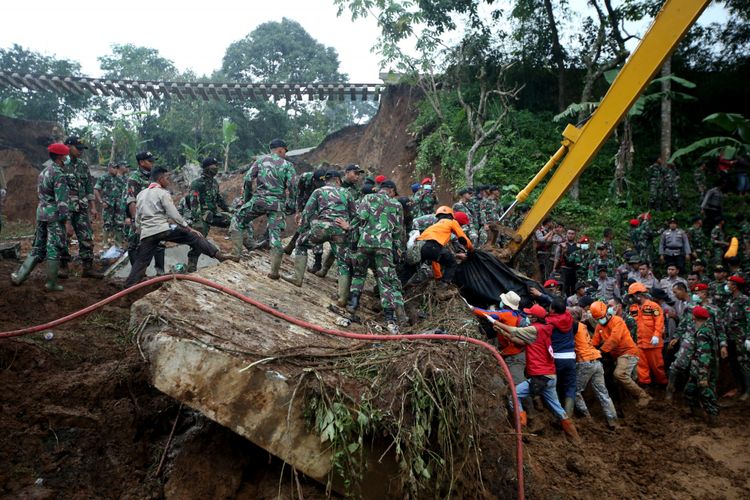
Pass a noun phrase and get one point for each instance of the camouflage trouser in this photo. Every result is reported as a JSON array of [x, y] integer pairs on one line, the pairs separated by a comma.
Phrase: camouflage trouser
[[592, 371], [204, 226], [696, 396], [743, 357], [109, 217], [385, 274], [85, 234], [258, 207], [50, 240], [318, 233], [681, 363]]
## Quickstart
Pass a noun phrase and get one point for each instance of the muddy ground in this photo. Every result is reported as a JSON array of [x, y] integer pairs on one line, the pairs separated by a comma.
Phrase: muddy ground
[[80, 420]]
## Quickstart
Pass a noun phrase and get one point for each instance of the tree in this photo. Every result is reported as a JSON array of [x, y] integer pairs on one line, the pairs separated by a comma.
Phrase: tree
[[281, 52], [735, 141], [40, 105]]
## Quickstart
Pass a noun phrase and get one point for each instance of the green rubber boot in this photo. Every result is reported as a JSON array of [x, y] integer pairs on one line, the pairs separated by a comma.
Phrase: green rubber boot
[[345, 283], [23, 272], [53, 268], [327, 263], [276, 255], [237, 242], [300, 264]]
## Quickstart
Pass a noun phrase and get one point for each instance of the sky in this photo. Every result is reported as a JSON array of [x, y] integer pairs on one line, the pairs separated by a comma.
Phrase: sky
[[193, 34]]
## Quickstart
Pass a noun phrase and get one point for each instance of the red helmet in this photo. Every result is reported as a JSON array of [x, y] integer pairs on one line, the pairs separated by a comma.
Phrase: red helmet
[[461, 218]]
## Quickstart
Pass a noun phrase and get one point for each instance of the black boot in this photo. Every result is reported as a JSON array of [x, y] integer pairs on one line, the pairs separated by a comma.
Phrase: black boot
[[317, 264], [353, 304], [390, 321], [88, 270]]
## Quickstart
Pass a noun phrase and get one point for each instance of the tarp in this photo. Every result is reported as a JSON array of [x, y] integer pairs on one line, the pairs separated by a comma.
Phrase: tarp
[[482, 278]]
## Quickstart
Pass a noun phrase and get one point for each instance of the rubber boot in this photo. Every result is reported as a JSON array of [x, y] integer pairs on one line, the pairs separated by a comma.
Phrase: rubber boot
[[401, 316], [88, 270], [669, 395], [53, 269], [300, 264], [570, 430], [276, 256], [345, 283], [326, 265], [63, 271], [390, 321], [569, 405], [317, 263], [23, 272], [237, 242], [353, 303], [613, 423], [192, 264]]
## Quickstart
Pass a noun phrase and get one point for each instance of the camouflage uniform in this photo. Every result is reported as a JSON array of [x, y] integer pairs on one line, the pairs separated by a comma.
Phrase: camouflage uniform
[[738, 329], [645, 244], [719, 295], [51, 213], [596, 263], [273, 175], [700, 389], [109, 187], [717, 235], [698, 242], [610, 249], [379, 220], [655, 183], [207, 208], [304, 188], [81, 191], [490, 210], [423, 222], [699, 176], [474, 229], [670, 193], [423, 202], [354, 192], [317, 226]]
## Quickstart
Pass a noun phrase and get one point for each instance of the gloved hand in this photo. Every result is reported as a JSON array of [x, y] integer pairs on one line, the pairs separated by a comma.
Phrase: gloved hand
[[654, 340], [747, 345]]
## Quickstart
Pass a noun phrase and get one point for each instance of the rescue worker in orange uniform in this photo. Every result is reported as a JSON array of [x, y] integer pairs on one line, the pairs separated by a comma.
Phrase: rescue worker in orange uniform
[[433, 240], [649, 317], [612, 337]]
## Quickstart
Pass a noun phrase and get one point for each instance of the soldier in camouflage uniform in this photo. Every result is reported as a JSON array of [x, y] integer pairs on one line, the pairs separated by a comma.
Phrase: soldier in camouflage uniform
[[602, 259], [670, 188], [273, 176], [52, 212], [466, 204], [700, 389], [646, 236], [424, 200], [655, 183], [738, 332], [698, 240], [207, 205], [305, 184], [106, 191], [490, 210], [81, 205], [121, 208], [699, 176], [328, 209], [719, 243], [717, 288], [137, 182], [379, 220]]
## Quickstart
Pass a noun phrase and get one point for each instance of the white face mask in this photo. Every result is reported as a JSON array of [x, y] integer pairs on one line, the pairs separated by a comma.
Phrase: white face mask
[[584, 246], [602, 321]]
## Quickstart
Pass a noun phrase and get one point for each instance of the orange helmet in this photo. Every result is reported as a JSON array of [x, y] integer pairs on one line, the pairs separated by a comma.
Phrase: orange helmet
[[637, 288], [444, 210], [598, 309]]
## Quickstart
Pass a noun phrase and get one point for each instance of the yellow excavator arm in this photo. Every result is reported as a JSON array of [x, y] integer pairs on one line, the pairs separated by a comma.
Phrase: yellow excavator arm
[[580, 145]]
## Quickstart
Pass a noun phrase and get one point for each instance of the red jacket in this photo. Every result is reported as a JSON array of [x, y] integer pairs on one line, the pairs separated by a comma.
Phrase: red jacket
[[539, 359]]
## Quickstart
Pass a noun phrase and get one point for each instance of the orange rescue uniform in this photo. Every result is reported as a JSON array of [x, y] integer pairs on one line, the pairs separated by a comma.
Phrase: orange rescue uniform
[[441, 232], [615, 338], [650, 319]]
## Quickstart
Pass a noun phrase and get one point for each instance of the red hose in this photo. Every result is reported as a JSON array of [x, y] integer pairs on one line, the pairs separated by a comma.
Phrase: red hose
[[309, 326]]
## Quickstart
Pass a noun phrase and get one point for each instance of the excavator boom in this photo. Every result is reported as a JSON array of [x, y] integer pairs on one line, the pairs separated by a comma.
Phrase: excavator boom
[[580, 145]]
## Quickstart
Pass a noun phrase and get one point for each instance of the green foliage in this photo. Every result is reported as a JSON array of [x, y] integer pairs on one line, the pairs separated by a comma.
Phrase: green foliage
[[738, 142], [9, 107]]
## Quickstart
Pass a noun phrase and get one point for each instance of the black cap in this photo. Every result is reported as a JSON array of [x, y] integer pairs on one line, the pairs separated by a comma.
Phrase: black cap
[[580, 285], [492, 187], [658, 293], [586, 300], [465, 190], [719, 268], [672, 219], [209, 161], [319, 174], [145, 155], [388, 184], [74, 140], [699, 262], [278, 143], [333, 173], [601, 245], [602, 268], [354, 167]]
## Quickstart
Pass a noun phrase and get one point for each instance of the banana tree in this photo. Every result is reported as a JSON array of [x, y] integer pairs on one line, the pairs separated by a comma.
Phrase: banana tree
[[736, 140], [229, 135]]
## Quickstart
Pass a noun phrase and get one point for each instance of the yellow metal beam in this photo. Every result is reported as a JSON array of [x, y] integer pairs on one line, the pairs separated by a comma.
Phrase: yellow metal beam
[[669, 27]]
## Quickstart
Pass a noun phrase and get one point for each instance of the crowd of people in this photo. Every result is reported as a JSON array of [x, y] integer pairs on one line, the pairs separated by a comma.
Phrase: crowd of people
[[601, 318]]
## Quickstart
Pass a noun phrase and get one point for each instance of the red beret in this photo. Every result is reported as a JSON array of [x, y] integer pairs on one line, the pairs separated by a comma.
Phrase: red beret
[[550, 283], [700, 312], [379, 179], [426, 180], [584, 239], [737, 279], [58, 149], [699, 286], [635, 222], [461, 218], [536, 310]]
